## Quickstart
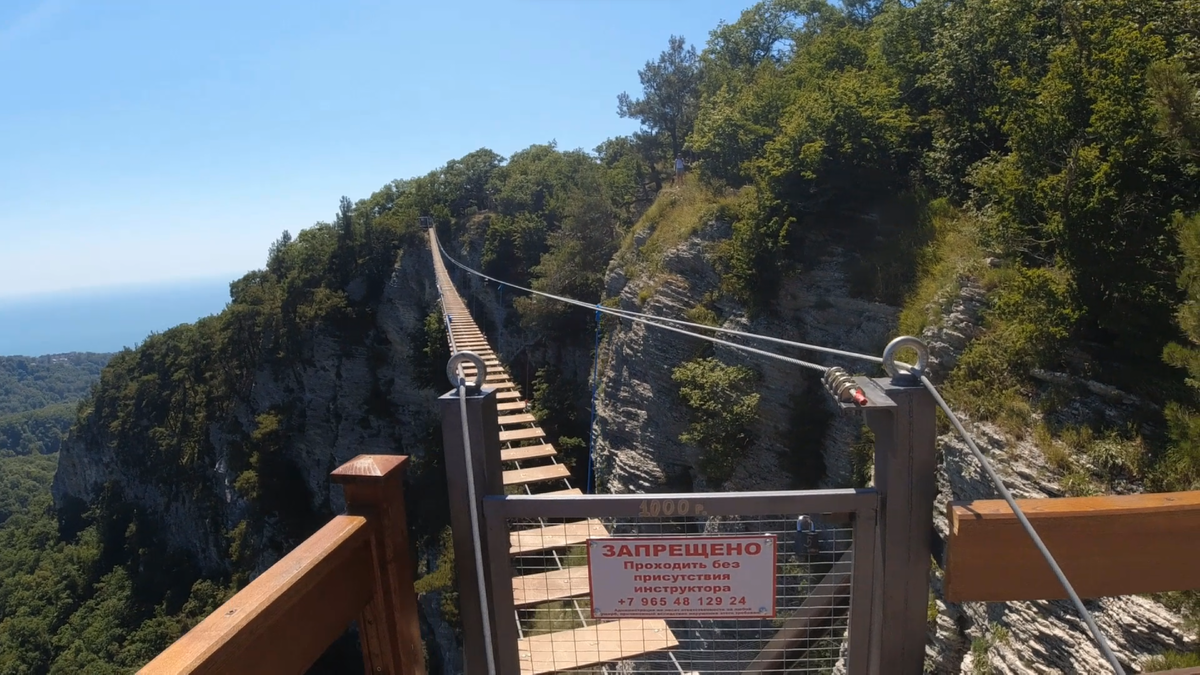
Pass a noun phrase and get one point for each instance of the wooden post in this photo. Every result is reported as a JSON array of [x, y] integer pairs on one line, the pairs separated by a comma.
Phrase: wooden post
[[389, 626], [905, 468], [483, 442]]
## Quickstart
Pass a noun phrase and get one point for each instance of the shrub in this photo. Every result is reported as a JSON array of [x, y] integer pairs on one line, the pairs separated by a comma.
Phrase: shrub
[[722, 411]]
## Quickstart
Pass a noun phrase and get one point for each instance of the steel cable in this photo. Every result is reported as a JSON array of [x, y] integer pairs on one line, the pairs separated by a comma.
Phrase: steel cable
[[1012, 503], [637, 319], [479, 568]]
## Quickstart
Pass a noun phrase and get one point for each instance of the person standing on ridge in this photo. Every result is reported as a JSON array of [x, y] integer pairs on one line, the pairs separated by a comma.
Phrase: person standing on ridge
[[678, 170]]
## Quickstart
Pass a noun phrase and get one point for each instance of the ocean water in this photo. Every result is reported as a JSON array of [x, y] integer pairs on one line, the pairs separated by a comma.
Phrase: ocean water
[[104, 319]]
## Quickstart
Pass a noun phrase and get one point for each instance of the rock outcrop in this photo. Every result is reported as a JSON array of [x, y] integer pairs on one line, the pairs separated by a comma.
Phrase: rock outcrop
[[1022, 638], [640, 417]]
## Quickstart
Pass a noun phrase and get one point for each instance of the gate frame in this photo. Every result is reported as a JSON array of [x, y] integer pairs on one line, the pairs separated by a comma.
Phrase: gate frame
[[863, 504], [899, 411]]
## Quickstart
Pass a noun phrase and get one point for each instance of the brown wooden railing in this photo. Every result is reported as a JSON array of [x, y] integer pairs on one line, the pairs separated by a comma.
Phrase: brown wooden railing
[[357, 567], [1106, 545]]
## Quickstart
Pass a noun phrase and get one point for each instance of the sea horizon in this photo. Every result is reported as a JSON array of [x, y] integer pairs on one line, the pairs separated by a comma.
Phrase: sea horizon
[[105, 319]]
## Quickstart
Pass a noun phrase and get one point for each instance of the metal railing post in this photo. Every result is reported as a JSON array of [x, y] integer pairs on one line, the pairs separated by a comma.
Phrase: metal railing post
[[905, 440], [484, 446]]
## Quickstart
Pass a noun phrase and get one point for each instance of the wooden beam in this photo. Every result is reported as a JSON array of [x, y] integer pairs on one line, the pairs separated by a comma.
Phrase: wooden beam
[[390, 624], [286, 618], [1110, 545]]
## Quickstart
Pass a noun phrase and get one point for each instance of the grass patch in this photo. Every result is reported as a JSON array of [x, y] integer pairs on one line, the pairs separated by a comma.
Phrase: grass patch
[[953, 253], [1113, 453], [1078, 483], [980, 661], [1171, 661], [675, 215]]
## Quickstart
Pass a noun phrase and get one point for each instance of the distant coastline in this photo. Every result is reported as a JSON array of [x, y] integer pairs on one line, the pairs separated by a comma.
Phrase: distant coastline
[[105, 319]]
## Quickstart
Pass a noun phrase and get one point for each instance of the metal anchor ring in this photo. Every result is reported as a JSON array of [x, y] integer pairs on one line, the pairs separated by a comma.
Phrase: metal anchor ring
[[895, 368], [461, 358]]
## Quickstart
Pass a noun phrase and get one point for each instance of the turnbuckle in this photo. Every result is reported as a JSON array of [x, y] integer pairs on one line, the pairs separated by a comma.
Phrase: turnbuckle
[[841, 385]]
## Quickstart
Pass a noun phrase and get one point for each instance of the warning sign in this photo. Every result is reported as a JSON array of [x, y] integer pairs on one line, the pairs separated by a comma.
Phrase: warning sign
[[682, 577]]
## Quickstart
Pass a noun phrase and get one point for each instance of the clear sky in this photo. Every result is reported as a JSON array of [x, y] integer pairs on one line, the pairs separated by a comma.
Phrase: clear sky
[[147, 141]]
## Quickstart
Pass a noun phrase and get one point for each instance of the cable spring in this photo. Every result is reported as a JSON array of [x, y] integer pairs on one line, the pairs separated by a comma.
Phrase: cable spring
[[841, 386]]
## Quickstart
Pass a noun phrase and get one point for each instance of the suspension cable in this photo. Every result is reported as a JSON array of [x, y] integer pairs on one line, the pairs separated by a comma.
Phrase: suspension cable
[[637, 319], [479, 568], [755, 336], [1041, 546]]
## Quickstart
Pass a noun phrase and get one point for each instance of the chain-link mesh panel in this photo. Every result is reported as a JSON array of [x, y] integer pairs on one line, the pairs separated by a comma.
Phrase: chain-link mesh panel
[[557, 632]]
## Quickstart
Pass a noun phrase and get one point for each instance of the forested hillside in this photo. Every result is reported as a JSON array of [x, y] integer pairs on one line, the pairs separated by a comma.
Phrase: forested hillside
[[1043, 151], [38, 397], [29, 383]]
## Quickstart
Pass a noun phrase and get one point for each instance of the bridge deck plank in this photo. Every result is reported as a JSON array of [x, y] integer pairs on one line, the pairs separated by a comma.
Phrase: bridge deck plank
[[536, 474], [593, 645], [529, 452], [525, 434], [569, 582], [522, 542]]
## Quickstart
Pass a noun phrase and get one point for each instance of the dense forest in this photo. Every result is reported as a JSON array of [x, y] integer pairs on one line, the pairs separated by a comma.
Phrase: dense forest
[[1046, 148], [38, 398]]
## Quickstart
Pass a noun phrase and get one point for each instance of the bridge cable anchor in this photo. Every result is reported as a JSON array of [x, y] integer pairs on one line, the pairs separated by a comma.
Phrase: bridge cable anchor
[[897, 369], [461, 359]]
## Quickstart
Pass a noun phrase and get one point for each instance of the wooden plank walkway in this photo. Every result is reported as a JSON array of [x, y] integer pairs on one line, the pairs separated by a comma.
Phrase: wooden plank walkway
[[603, 642], [530, 462]]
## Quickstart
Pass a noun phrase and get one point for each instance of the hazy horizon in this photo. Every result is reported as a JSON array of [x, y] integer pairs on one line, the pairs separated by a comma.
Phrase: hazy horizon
[[105, 319]]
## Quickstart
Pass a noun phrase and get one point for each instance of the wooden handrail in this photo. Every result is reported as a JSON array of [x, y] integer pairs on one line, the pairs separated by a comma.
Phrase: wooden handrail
[[1108, 545], [356, 567]]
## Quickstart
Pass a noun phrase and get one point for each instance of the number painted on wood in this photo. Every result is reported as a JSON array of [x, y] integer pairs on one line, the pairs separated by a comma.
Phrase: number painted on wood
[[650, 508]]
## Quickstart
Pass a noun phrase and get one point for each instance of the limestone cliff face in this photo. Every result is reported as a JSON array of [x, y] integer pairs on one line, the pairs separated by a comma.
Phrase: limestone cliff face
[[640, 417], [1026, 637], [332, 381], [336, 384]]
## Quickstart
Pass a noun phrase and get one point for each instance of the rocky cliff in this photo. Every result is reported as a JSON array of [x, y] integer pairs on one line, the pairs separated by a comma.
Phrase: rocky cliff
[[1028, 637], [640, 419], [335, 388]]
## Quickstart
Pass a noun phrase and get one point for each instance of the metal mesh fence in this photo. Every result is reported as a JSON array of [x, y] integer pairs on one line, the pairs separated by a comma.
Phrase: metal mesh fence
[[804, 632]]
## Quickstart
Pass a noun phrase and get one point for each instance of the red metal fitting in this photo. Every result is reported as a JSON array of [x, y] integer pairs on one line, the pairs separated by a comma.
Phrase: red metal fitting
[[859, 397]]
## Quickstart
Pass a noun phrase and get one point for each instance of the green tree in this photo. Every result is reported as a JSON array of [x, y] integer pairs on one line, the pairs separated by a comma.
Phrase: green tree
[[670, 87], [1181, 467]]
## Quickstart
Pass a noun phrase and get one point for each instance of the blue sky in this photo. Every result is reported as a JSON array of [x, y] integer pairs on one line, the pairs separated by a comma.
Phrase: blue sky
[[148, 141]]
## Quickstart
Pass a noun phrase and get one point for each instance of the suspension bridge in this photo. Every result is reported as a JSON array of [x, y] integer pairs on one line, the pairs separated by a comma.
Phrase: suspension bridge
[[850, 596], [531, 465]]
